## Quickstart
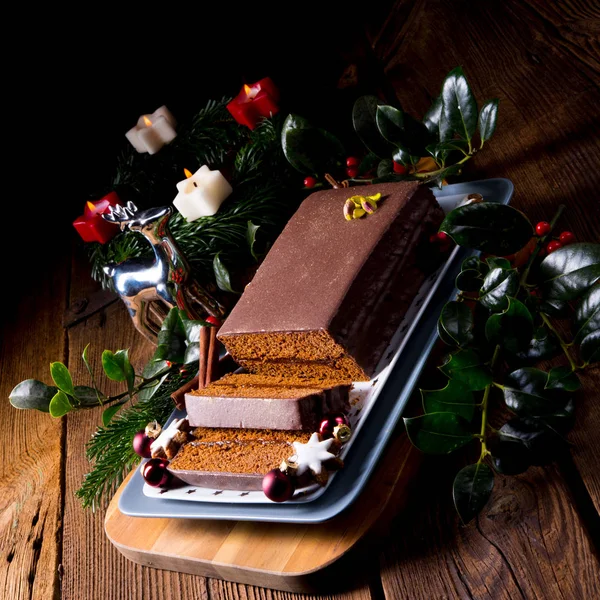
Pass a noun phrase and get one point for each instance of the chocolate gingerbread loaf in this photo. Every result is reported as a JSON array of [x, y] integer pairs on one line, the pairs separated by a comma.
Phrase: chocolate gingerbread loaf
[[233, 459], [253, 401], [330, 294]]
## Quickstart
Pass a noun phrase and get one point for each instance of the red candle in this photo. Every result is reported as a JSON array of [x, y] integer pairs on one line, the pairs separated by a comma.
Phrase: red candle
[[255, 102], [91, 226]]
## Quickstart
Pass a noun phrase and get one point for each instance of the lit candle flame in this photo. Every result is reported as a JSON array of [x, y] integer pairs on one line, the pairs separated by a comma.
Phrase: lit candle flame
[[250, 92], [147, 121], [91, 206], [188, 174], [247, 89]]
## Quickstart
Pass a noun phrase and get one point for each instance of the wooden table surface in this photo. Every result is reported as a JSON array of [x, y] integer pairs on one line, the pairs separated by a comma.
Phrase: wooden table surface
[[538, 536]]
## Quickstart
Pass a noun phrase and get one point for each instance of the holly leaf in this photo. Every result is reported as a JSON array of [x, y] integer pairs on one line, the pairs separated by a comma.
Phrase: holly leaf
[[469, 280], [509, 455], [468, 368], [222, 276], [586, 319], [310, 149], [454, 398], [570, 271], [512, 328], [497, 286], [438, 433], [364, 119], [488, 117], [171, 339], [554, 308], [432, 117], [471, 490], [251, 237], [498, 262], [60, 405], [543, 345], [110, 412], [32, 394], [459, 105], [590, 348], [88, 397], [490, 227], [117, 367], [562, 378], [455, 324], [62, 378], [525, 393], [390, 122]]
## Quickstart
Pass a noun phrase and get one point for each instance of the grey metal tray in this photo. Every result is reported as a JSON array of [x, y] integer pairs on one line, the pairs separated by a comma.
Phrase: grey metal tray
[[381, 421]]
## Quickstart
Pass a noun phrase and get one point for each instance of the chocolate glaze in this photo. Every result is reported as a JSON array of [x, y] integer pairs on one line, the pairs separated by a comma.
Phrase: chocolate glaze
[[326, 273]]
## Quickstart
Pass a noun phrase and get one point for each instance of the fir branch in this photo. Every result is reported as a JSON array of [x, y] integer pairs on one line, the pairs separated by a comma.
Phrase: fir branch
[[111, 450]]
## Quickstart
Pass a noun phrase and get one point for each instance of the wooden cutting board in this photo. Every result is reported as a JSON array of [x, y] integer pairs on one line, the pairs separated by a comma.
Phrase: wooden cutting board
[[283, 556]]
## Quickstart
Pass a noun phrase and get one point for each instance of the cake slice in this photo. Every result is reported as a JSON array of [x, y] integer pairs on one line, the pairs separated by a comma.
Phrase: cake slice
[[330, 294], [250, 401], [233, 459]]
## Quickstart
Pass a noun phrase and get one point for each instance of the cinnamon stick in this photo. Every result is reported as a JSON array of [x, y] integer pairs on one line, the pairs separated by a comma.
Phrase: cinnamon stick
[[204, 342], [212, 359], [178, 395]]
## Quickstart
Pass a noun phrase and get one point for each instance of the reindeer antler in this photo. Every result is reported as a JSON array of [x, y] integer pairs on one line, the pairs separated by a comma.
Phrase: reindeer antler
[[119, 213]]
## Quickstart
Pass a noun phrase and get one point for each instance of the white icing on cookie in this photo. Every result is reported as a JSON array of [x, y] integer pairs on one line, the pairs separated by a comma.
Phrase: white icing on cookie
[[167, 435], [312, 455]]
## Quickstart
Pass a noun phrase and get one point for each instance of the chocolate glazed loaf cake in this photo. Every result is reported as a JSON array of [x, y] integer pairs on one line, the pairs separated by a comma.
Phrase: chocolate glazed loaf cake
[[330, 294], [249, 401]]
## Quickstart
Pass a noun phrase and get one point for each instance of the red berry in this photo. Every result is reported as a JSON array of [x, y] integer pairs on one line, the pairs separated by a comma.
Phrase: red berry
[[141, 444], [310, 182], [399, 168], [443, 237], [566, 237], [352, 172], [278, 486], [552, 246], [213, 321], [542, 228], [155, 472], [352, 161]]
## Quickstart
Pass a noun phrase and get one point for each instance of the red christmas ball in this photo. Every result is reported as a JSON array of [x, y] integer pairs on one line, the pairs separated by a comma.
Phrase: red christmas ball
[[352, 172], [399, 168], [278, 486], [352, 161], [310, 182], [141, 444], [566, 237], [542, 228], [213, 321], [330, 422], [552, 246], [155, 472]]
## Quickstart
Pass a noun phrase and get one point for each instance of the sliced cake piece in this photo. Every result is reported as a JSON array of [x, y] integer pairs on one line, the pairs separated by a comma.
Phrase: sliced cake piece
[[330, 294], [233, 459], [252, 401]]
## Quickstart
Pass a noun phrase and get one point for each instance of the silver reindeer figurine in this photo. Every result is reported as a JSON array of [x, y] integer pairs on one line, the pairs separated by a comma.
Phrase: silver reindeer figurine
[[150, 287]]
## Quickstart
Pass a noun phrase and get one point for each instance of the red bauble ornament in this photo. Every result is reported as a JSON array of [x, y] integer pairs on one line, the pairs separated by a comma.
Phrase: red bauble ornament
[[278, 486], [352, 172], [213, 321], [330, 421], [566, 237], [552, 246], [399, 168], [141, 444], [542, 228], [310, 182], [155, 472], [352, 161]]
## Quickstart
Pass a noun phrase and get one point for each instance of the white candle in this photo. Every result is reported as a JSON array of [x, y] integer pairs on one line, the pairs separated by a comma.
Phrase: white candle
[[201, 194], [153, 131]]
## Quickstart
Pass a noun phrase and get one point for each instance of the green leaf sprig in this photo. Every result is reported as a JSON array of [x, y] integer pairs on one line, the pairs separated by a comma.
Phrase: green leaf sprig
[[503, 321]]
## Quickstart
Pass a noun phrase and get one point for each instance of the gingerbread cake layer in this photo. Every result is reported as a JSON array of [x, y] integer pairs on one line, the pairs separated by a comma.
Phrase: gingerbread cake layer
[[233, 459], [330, 294], [251, 401]]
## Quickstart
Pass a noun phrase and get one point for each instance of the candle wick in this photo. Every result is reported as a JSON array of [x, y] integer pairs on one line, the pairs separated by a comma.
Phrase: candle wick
[[195, 184]]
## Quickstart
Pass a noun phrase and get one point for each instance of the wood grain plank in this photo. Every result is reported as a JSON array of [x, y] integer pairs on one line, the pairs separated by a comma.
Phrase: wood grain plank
[[31, 468]]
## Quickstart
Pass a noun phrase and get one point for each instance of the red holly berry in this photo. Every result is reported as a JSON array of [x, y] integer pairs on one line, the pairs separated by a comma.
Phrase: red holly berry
[[442, 236], [141, 444], [213, 321], [352, 161], [155, 472], [552, 246], [278, 486], [399, 168], [352, 172], [542, 228], [566, 237], [310, 182]]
